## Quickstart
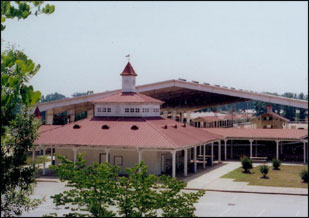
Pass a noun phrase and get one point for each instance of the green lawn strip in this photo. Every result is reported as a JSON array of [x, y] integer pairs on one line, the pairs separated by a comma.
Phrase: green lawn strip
[[287, 176]]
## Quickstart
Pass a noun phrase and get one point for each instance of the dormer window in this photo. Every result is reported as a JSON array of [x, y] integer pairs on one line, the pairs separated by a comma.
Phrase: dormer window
[[137, 110], [99, 109], [127, 110], [132, 110], [134, 127], [104, 110], [76, 126], [105, 127], [109, 109]]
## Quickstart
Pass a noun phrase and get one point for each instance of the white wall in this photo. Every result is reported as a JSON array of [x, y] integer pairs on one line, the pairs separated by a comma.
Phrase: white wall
[[128, 84], [129, 157], [119, 110]]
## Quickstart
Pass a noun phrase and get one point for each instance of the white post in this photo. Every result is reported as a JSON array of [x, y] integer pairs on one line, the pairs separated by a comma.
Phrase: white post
[[212, 153], [165, 114], [75, 154], [186, 162], [51, 155], [250, 140], [277, 149], [219, 151], [304, 152], [44, 152], [174, 115], [173, 164], [204, 161], [194, 160], [107, 150], [188, 117], [256, 154], [225, 149], [33, 154]]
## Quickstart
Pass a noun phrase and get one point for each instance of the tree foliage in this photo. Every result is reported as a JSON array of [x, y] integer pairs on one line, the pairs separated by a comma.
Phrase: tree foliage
[[77, 94], [97, 189], [52, 97], [18, 127]]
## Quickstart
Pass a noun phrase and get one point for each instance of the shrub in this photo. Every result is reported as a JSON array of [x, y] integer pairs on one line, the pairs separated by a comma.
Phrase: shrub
[[304, 175], [264, 170], [246, 164], [276, 164]]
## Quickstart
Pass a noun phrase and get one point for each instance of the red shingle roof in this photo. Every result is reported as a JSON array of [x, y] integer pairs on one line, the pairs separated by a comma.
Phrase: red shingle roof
[[150, 134], [128, 71], [284, 134], [127, 98]]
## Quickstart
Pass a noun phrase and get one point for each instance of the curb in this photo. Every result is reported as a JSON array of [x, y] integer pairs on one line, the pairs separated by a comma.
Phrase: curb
[[249, 192], [47, 180]]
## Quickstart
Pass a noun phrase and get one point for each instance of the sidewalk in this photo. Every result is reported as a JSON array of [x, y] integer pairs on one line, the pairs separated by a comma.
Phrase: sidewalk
[[211, 181]]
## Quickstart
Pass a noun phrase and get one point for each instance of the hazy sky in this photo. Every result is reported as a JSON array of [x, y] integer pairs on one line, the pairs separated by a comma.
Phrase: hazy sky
[[260, 46]]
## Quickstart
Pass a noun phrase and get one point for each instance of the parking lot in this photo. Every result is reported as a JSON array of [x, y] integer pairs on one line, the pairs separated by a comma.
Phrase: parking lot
[[210, 205]]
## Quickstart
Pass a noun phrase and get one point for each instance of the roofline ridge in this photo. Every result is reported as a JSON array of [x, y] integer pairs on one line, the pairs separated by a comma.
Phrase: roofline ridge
[[150, 124]]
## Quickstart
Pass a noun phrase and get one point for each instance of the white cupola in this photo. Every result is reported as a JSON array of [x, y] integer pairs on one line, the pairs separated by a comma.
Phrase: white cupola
[[128, 79]]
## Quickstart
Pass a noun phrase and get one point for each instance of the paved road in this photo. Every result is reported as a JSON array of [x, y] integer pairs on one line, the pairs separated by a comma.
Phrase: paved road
[[211, 204], [220, 204]]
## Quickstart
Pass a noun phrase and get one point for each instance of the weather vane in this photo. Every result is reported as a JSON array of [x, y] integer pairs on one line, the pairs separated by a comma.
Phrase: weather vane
[[128, 56]]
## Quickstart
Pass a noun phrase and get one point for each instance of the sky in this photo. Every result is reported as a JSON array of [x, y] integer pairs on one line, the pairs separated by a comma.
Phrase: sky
[[259, 46]]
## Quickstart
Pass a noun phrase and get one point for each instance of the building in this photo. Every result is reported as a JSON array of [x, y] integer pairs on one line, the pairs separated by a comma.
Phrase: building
[[270, 120], [127, 128]]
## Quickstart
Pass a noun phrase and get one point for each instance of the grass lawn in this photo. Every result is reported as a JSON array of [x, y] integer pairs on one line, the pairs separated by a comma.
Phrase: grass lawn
[[287, 176]]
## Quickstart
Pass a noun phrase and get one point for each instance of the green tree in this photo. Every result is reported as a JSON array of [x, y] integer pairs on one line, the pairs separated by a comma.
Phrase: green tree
[[52, 97], [97, 189], [18, 127], [77, 94]]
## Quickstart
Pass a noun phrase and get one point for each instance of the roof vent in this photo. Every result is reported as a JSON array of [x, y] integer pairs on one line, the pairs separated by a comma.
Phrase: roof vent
[[134, 127], [175, 126], [105, 127], [76, 126], [184, 125], [165, 127], [206, 84], [182, 79], [194, 81]]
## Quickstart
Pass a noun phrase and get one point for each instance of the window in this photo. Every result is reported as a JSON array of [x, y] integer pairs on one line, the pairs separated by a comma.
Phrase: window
[[137, 110], [132, 110], [143, 110], [126, 110], [109, 109], [134, 127], [99, 109], [146, 110], [104, 110], [156, 110], [118, 160]]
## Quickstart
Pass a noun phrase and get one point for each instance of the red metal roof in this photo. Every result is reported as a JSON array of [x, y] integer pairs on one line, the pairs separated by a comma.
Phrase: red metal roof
[[151, 133], [284, 134], [126, 97], [128, 70]]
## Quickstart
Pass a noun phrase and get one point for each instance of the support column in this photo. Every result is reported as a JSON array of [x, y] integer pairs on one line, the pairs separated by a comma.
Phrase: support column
[[107, 150], [74, 155], [194, 159], [173, 164], [277, 149], [165, 114], [51, 155], [139, 155], [188, 117], [173, 115], [212, 153], [304, 152], [219, 151], [90, 113], [181, 117], [49, 116], [204, 153], [33, 154], [251, 140], [44, 163], [185, 162], [72, 115], [225, 149]]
